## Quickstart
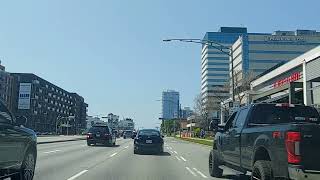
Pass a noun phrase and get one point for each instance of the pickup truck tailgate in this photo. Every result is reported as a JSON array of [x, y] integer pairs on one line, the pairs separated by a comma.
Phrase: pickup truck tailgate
[[310, 146]]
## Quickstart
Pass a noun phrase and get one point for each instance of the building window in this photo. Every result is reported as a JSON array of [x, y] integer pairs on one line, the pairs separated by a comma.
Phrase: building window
[[47, 86]]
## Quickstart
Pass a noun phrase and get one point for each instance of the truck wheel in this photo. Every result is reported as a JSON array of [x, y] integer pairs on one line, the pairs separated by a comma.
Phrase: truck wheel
[[214, 169], [262, 170]]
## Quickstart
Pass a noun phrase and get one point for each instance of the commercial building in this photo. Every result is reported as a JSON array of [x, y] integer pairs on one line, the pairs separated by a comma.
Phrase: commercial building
[[126, 124], [296, 82], [255, 53], [170, 104], [47, 107], [186, 112], [252, 54], [6, 82], [79, 111], [113, 120], [92, 121], [215, 64]]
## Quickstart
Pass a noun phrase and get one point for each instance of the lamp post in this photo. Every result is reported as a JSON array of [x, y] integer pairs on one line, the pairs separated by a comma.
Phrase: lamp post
[[217, 46]]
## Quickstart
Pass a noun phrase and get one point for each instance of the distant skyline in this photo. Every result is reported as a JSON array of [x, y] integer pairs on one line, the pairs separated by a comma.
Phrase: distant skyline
[[111, 52]]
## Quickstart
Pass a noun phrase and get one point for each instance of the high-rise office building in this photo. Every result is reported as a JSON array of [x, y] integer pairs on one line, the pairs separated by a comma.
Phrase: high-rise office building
[[256, 53], [170, 104], [215, 64], [252, 52]]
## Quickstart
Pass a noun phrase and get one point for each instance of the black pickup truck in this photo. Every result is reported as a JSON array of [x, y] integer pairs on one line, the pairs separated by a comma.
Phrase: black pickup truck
[[269, 140]]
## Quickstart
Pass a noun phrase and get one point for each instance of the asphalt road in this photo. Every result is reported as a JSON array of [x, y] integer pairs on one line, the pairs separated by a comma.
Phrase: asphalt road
[[75, 160]]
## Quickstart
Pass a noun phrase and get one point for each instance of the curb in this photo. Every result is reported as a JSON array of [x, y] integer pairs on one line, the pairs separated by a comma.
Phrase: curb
[[57, 141]]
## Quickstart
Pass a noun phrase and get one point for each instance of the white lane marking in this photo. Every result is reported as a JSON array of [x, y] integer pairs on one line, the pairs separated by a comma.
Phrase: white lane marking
[[77, 175], [171, 152], [175, 152], [54, 151], [183, 158], [126, 147], [199, 172], [113, 154], [178, 158], [194, 174]]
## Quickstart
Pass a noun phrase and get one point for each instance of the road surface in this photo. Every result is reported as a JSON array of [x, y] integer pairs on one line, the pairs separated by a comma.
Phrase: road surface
[[75, 160]]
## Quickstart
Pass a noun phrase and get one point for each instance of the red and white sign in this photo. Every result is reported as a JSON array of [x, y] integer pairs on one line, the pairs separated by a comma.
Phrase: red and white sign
[[293, 77]]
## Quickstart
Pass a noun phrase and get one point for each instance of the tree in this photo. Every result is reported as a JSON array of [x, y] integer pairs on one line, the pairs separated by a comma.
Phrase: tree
[[242, 83]]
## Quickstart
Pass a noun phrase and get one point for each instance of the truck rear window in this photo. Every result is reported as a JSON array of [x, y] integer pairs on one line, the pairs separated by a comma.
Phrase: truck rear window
[[271, 114]]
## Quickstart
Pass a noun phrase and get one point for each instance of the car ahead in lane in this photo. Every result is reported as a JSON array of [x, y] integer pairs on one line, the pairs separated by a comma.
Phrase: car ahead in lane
[[148, 140], [101, 134], [18, 147], [127, 134], [270, 140]]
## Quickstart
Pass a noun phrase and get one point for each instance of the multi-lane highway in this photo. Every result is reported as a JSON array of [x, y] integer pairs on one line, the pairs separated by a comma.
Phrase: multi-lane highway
[[75, 160]]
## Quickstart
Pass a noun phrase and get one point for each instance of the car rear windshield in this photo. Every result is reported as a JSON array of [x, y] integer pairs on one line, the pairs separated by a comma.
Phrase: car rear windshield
[[149, 133], [272, 114], [100, 129]]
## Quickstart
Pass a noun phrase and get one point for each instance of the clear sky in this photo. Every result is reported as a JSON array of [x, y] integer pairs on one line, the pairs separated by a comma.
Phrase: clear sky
[[111, 51]]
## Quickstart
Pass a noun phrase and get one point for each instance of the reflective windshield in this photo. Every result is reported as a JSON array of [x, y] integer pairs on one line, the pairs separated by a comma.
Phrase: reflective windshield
[[148, 133]]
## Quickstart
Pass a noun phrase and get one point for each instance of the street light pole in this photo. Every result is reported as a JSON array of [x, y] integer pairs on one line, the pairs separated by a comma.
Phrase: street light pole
[[217, 46]]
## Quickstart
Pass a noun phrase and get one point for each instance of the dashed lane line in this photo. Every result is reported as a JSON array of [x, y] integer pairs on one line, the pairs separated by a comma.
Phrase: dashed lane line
[[175, 152], [178, 158], [199, 172], [54, 151], [190, 171], [183, 158], [113, 154], [77, 175]]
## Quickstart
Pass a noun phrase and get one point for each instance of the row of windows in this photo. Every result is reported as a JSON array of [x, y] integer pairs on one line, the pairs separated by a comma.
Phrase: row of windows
[[216, 80], [217, 69], [217, 63], [275, 52], [266, 61], [284, 43]]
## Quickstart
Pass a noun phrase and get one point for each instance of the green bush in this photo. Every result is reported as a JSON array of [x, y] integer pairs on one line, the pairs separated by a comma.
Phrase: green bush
[[197, 132]]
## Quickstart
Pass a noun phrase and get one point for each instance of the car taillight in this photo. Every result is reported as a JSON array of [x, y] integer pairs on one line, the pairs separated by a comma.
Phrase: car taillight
[[89, 135], [293, 140]]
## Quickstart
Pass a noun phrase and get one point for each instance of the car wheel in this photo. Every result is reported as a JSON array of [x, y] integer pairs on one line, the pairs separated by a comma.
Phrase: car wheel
[[262, 170], [88, 144], [214, 169], [27, 168], [114, 144]]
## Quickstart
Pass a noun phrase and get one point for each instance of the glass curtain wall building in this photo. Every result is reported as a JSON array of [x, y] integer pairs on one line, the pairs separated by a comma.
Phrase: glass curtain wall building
[[170, 104]]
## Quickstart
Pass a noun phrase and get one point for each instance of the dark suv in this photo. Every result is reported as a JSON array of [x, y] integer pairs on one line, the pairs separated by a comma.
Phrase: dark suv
[[18, 147], [101, 134]]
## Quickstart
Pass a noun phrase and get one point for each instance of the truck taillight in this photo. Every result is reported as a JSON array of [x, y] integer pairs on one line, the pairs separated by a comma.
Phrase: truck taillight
[[293, 140]]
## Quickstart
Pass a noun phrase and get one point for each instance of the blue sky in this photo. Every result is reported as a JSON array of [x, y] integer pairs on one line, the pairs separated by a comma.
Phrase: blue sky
[[111, 51]]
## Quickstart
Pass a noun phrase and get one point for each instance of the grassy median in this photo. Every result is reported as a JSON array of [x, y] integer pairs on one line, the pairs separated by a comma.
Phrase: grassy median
[[199, 141]]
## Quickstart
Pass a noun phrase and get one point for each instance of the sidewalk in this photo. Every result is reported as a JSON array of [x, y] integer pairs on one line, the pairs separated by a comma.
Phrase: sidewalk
[[55, 139]]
